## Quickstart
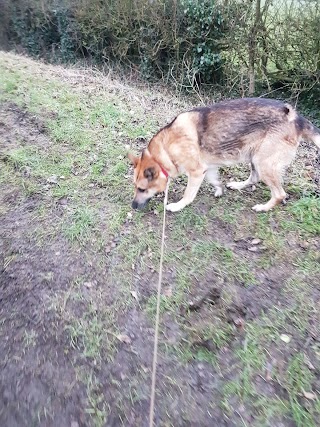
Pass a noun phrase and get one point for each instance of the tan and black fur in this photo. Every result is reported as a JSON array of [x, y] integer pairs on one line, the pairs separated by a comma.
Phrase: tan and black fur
[[262, 132]]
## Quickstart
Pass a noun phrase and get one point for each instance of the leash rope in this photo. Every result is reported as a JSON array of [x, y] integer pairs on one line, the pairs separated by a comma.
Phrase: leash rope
[[156, 332]]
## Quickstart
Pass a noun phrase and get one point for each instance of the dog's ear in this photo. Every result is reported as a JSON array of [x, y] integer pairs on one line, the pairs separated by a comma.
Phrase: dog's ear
[[149, 173], [133, 159]]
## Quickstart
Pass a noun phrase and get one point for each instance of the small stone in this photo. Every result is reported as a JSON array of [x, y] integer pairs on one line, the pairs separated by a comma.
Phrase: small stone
[[285, 338], [134, 294], [253, 249], [88, 284], [52, 179], [304, 244], [255, 241]]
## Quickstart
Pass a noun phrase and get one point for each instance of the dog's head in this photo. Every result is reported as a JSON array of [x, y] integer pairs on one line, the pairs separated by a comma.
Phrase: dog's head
[[149, 178]]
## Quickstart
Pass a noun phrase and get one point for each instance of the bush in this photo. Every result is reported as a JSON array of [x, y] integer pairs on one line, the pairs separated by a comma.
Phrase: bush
[[248, 46], [44, 32], [161, 38]]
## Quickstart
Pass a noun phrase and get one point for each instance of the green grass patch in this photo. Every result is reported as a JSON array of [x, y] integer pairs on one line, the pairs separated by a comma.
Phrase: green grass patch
[[81, 225], [306, 216]]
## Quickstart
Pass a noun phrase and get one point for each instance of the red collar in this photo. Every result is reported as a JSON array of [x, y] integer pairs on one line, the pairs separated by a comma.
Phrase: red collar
[[165, 173]]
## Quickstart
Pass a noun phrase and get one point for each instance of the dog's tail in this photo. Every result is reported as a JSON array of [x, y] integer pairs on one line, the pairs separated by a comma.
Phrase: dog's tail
[[309, 132], [306, 129]]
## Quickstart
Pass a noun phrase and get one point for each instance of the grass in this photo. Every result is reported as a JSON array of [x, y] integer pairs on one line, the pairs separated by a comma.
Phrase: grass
[[79, 181], [81, 224], [96, 406], [305, 212], [257, 352]]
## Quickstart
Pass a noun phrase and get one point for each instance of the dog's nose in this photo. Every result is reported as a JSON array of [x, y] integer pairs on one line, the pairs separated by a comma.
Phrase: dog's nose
[[135, 205]]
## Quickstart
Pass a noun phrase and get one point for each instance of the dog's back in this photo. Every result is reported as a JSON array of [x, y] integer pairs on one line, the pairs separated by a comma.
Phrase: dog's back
[[228, 128]]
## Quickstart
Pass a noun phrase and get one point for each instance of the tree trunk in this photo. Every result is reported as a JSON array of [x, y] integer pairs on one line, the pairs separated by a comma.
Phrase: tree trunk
[[253, 46]]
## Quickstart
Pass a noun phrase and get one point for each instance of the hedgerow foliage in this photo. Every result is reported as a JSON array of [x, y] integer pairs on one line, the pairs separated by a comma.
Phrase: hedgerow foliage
[[244, 45], [160, 37]]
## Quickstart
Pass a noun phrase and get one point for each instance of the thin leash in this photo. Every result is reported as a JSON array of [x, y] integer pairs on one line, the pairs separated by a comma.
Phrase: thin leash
[[156, 332]]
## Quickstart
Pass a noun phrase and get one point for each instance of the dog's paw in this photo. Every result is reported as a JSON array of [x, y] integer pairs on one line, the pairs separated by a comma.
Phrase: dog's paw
[[218, 192], [174, 207], [260, 208], [234, 185]]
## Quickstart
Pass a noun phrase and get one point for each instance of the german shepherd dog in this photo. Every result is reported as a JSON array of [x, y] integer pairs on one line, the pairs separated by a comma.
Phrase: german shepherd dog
[[262, 132]]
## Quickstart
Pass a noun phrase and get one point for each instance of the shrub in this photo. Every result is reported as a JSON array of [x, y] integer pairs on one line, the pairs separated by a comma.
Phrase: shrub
[[160, 37], [248, 46]]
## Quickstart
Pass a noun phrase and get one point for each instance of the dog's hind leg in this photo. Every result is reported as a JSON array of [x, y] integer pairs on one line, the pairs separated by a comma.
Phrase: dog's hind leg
[[277, 194], [194, 182], [270, 164], [272, 177], [253, 179], [212, 176]]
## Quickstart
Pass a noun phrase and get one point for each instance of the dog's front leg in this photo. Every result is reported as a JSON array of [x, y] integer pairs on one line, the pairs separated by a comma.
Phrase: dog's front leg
[[194, 182]]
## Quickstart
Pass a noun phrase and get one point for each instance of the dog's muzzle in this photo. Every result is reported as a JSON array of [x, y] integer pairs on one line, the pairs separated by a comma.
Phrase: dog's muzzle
[[136, 205]]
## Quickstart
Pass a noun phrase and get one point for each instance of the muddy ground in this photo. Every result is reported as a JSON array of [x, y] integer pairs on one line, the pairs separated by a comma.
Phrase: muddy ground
[[52, 292]]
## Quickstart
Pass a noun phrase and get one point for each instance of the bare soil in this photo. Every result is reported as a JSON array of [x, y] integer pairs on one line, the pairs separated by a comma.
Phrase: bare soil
[[41, 373]]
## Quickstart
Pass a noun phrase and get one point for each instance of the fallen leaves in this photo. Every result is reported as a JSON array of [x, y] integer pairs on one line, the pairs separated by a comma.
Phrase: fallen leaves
[[309, 395]]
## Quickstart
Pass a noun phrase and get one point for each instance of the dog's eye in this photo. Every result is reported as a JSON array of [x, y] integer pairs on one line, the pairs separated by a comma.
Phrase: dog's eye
[[142, 190]]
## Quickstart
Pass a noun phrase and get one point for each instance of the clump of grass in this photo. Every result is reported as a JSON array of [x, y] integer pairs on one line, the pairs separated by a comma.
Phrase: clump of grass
[[22, 157], [306, 215], [81, 225]]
